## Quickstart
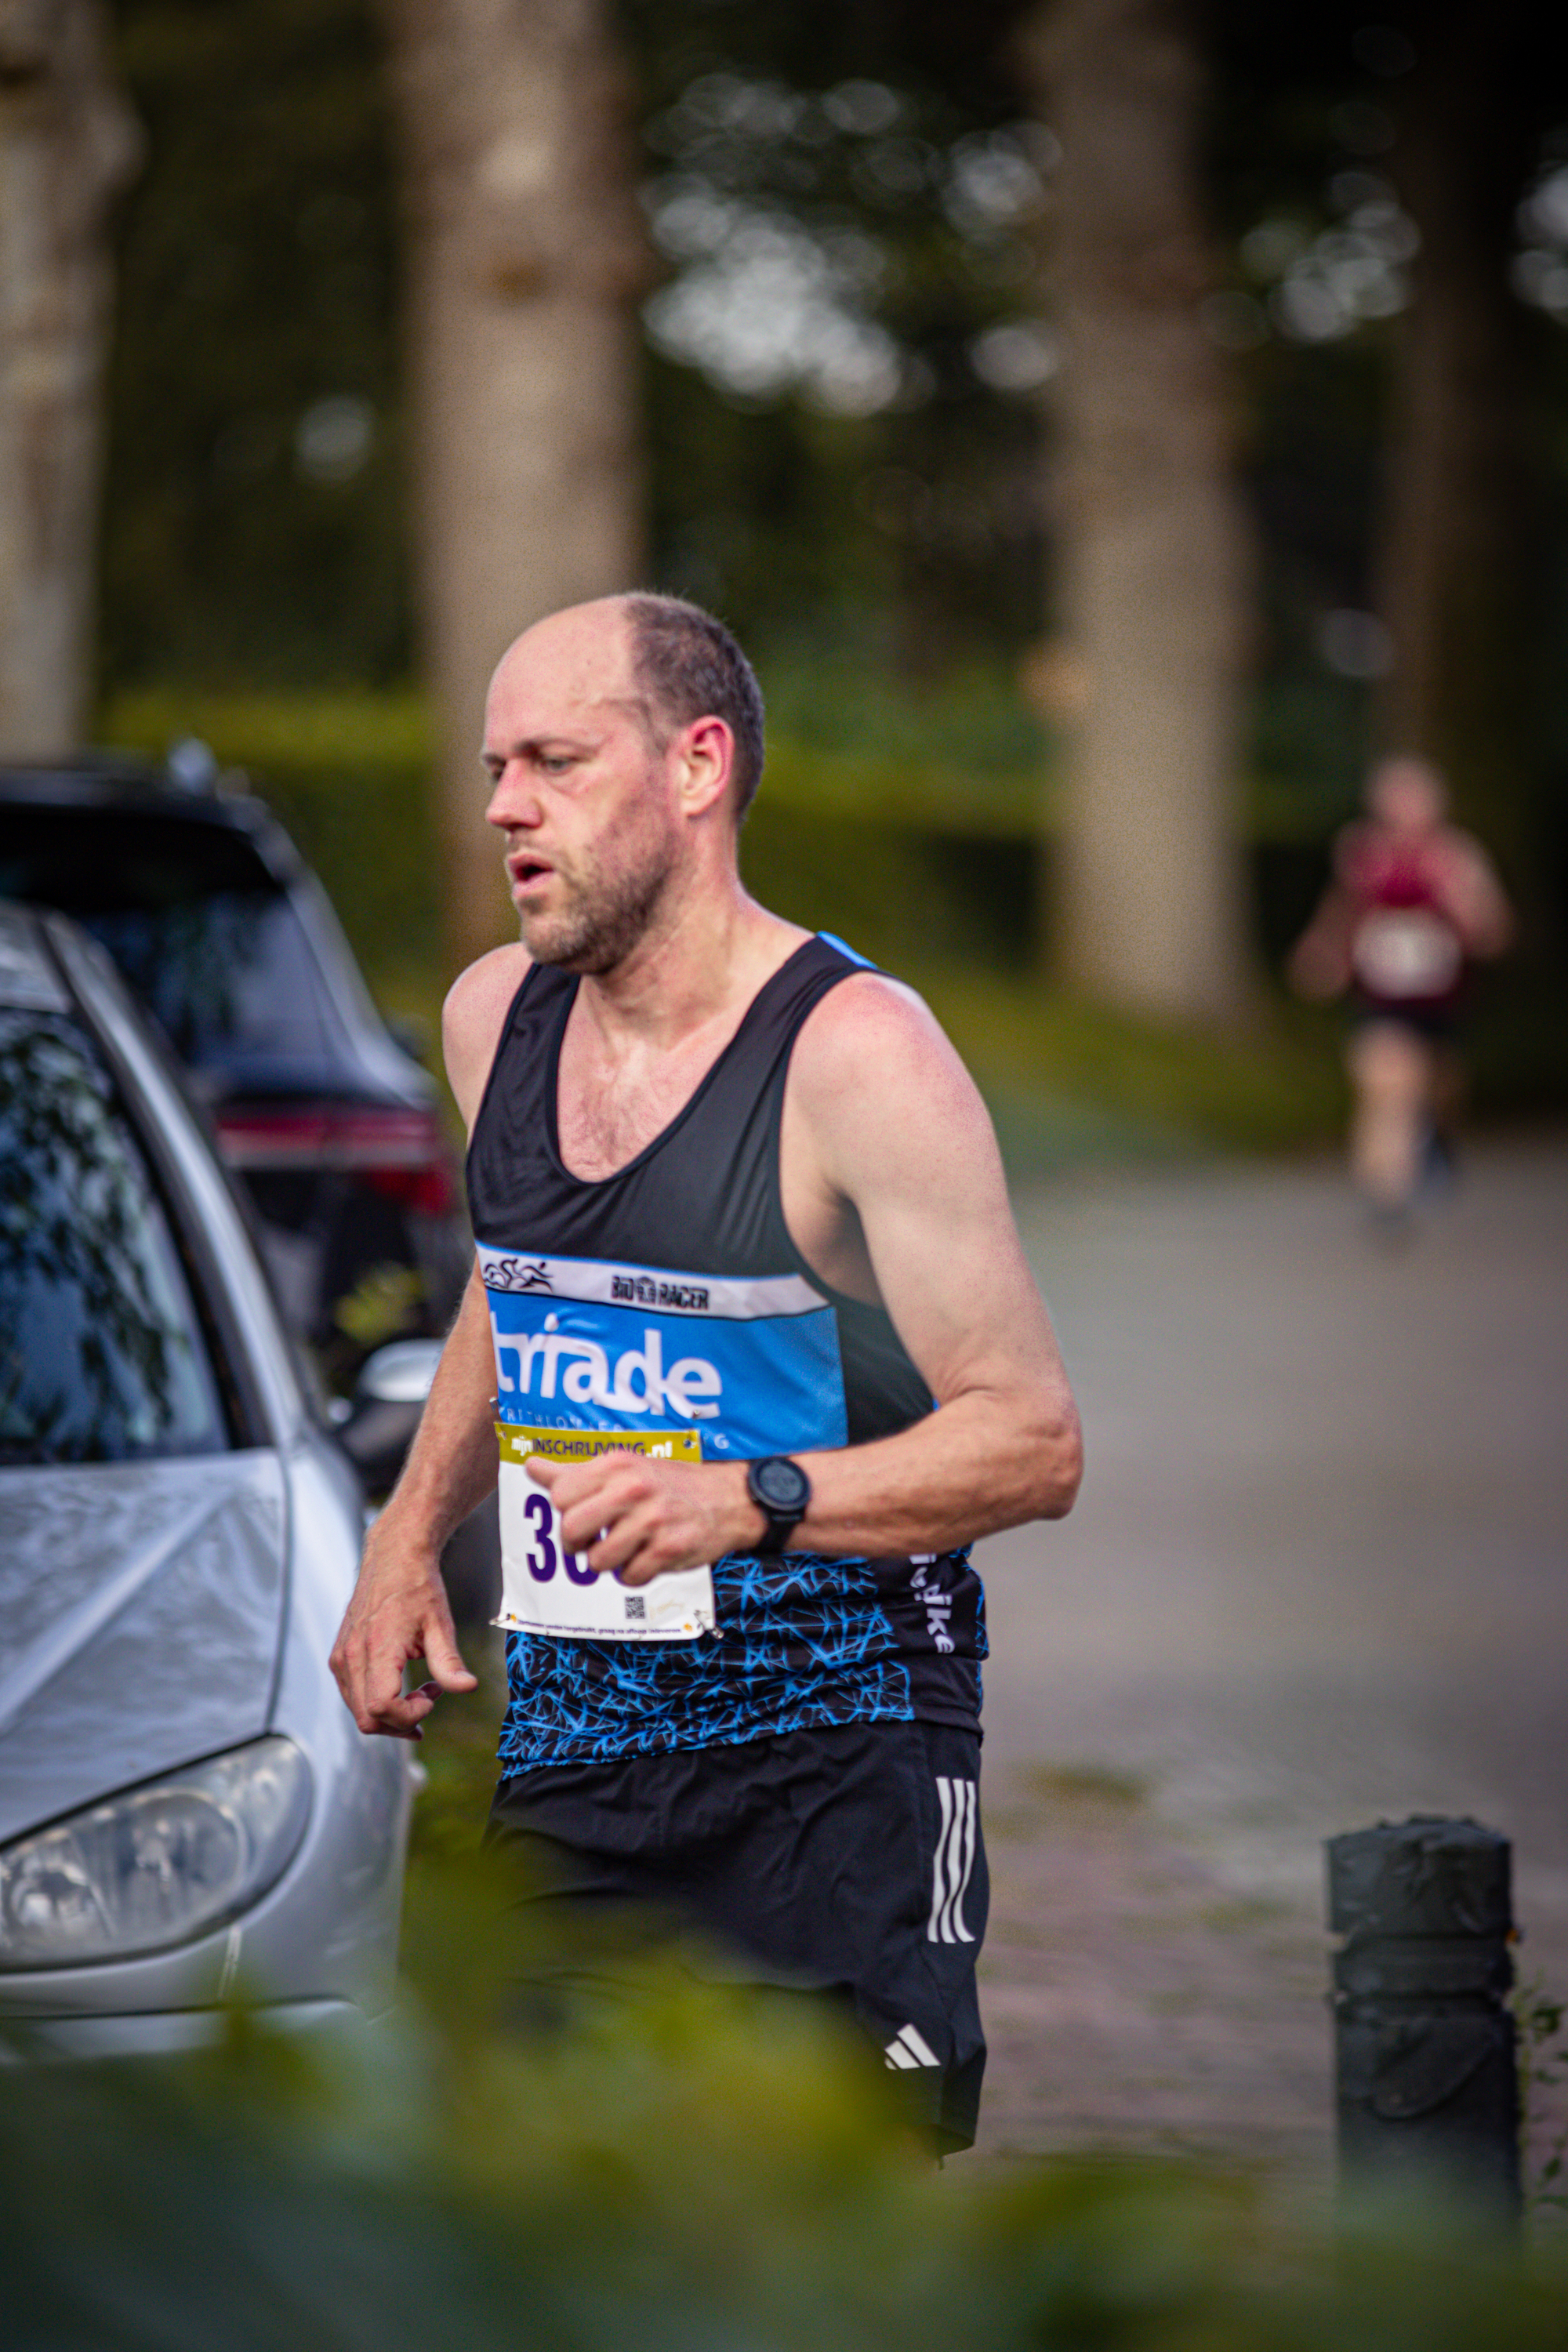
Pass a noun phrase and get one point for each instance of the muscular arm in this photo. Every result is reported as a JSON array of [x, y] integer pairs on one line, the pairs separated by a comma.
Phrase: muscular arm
[[886, 1118], [399, 1610], [885, 1136]]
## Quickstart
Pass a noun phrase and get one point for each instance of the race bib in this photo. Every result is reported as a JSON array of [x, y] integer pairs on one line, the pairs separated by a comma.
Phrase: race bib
[[1406, 951], [545, 1588]]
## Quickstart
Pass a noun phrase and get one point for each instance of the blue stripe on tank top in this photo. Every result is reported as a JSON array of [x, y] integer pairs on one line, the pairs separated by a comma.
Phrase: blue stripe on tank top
[[854, 954]]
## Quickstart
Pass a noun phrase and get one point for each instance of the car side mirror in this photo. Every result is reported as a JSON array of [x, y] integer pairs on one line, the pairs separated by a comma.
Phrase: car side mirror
[[388, 1400]]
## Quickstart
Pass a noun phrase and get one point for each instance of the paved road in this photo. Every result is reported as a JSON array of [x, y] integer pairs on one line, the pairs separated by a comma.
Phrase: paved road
[[1319, 1574]]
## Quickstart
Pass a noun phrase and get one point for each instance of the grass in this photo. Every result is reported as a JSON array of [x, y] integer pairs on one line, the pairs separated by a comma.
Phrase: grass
[[1086, 1784]]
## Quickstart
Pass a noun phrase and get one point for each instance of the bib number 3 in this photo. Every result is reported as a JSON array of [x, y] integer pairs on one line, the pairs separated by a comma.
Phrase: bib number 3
[[544, 1553]]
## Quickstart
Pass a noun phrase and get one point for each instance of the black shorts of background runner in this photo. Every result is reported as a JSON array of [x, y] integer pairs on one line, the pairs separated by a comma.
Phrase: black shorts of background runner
[[1437, 1023], [847, 1862]]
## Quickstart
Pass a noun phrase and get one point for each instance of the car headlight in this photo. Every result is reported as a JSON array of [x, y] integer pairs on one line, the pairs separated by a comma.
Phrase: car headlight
[[157, 1865]]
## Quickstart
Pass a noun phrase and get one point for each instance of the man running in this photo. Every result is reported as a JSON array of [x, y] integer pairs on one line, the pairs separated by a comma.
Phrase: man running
[[1414, 901], [742, 1230]]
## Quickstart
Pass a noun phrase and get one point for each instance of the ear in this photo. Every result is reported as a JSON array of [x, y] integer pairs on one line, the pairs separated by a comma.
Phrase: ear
[[704, 757]]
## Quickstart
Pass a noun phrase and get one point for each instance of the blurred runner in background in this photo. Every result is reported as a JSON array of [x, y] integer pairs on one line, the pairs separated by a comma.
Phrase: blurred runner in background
[[1412, 902]]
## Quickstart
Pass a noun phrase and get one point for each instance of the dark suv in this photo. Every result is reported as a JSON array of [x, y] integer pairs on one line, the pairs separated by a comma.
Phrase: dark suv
[[213, 916]]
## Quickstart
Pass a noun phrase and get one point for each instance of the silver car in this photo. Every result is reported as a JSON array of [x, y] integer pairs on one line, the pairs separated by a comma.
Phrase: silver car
[[187, 1811]]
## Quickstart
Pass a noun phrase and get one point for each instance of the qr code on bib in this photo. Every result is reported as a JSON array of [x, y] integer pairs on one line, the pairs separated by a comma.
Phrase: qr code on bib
[[635, 1605]]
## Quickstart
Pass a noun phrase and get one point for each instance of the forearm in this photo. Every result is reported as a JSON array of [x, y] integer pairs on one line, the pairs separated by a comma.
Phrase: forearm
[[399, 1608], [983, 1463], [972, 1468], [451, 1465], [980, 1464], [1318, 965]]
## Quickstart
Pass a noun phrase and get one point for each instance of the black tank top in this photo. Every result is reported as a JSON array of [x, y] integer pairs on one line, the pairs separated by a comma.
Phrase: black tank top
[[672, 1290]]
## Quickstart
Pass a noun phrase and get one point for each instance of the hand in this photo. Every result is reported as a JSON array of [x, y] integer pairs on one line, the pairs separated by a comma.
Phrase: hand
[[398, 1611], [641, 1518]]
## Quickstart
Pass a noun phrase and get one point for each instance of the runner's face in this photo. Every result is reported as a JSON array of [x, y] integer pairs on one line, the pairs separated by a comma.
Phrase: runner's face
[[581, 793], [1406, 796]]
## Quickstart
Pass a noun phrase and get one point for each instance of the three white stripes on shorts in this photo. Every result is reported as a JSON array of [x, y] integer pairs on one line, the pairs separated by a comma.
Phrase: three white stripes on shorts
[[953, 1863]]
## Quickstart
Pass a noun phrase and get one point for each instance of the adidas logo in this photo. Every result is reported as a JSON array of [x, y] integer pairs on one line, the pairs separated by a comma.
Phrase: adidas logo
[[910, 2047]]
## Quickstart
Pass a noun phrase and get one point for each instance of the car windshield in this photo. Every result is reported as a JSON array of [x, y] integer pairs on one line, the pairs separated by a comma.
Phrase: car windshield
[[211, 943], [102, 1355]]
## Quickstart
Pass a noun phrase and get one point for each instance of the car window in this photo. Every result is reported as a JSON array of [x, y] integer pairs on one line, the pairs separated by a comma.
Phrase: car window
[[229, 978], [209, 940], [101, 1354]]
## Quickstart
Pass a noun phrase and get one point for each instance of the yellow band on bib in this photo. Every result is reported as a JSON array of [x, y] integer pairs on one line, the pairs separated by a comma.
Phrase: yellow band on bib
[[587, 1444]]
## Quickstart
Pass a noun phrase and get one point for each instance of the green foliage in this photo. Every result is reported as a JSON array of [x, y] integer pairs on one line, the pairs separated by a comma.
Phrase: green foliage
[[1068, 1080], [1542, 2066], [257, 279], [964, 757], [459, 1757], [668, 2162]]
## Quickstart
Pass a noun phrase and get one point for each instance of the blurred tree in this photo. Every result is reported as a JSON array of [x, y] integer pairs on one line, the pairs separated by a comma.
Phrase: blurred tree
[[844, 452], [525, 254], [1458, 585], [254, 530], [1155, 555], [67, 140]]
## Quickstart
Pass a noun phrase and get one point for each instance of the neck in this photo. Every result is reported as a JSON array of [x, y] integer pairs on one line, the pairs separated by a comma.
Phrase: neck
[[707, 945]]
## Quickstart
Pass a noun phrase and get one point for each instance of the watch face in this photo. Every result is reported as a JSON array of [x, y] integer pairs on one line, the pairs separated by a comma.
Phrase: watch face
[[781, 1485]]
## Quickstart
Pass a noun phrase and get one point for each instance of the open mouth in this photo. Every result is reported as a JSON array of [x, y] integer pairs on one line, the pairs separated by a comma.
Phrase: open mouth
[[527, 870]]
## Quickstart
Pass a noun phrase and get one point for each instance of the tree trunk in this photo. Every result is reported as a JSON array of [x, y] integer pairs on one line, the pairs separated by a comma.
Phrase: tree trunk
[[67, 140], [1458, 533], [1155, 561], [525, 256]]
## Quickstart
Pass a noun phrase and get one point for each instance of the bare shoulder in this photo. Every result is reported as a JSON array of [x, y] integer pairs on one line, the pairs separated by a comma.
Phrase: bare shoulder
[[867, 1016], [873, 1069], [471, 1021]]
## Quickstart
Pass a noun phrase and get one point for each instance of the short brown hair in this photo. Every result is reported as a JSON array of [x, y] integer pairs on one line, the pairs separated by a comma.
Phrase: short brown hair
[[689, 667]]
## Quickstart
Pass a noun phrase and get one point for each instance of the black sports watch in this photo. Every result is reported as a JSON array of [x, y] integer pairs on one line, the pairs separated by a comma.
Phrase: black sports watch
[[782, 1492]]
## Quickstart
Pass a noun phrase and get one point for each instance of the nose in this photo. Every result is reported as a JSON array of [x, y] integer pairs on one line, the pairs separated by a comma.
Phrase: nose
[[514, 802]]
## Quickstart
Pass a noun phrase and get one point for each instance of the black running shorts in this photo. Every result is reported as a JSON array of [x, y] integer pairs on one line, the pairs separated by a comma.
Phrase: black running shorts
[[846, 1861]]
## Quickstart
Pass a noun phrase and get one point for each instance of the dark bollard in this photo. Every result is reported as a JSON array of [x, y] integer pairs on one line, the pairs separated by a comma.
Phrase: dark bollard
[[1424, 2046]]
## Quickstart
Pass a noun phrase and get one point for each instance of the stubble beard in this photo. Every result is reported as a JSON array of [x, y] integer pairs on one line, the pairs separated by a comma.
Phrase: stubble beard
[[608, 913]]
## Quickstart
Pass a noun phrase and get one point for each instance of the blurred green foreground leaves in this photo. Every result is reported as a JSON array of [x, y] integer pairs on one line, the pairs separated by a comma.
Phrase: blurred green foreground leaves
[[686, 2167]]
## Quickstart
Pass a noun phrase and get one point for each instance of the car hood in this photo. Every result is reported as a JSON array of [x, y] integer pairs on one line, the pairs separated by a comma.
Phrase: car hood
[[141, 1603]]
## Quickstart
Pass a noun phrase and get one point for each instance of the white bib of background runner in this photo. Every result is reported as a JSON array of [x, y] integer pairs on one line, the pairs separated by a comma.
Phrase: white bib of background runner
[[547, 1589], [1406, 951]]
